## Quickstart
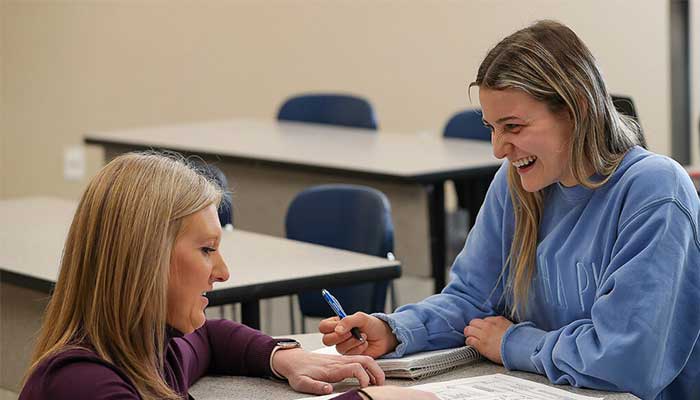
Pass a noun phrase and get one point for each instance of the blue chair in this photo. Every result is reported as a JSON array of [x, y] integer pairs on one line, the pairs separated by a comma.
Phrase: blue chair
[[625, 105], [215, 174], [349, 217], [330, 109], [468, 124]]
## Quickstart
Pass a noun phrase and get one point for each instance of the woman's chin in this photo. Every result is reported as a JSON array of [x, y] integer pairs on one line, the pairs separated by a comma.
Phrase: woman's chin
[[195, 322]]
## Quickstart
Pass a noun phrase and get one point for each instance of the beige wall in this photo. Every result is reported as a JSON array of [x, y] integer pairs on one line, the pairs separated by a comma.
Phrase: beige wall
[[694, 44], [69, 67], [3, 132]]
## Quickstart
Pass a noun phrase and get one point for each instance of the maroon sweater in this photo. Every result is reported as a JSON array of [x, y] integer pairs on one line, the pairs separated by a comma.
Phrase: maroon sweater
[[220, 347]]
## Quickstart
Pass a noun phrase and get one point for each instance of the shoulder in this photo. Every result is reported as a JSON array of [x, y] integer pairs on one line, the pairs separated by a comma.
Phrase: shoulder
[[77, 374], [652, 173], [645, 180]]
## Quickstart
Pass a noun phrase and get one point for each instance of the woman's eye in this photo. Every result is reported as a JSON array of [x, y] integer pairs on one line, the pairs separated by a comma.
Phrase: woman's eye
[[511, 127], [208, 250]]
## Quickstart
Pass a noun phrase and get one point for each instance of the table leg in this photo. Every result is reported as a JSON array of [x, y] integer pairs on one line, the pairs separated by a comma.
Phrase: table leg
[[438, 247], [250, 313]]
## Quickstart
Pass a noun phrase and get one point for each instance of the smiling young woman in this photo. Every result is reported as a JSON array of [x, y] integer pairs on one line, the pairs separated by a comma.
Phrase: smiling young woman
[[583, 264]]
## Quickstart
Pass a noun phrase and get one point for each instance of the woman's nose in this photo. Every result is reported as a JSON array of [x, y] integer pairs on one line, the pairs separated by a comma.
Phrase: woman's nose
[[220, 271], [501, 146]]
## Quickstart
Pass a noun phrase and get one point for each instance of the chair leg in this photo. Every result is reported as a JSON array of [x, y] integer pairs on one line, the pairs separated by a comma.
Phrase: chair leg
[[392, 289], [392, 297], [291, 315]]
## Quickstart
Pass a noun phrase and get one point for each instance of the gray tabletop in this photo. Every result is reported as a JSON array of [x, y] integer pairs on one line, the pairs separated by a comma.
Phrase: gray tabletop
[[399, 155], [261, 266], [232, 388]]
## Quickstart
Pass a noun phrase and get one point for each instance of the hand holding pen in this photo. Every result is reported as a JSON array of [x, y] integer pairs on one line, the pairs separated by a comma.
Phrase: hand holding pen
[[377, 337], [338, 310]]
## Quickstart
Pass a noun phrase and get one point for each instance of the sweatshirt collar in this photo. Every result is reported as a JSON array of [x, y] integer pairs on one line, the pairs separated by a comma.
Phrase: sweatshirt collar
[[575, 194]]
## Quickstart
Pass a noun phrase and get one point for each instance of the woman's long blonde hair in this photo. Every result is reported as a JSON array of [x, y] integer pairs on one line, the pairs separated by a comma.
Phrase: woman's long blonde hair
[[550, 63], [111, 292]]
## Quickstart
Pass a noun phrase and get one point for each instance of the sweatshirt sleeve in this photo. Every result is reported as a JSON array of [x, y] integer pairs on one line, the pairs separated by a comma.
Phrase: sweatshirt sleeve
[[644, 322], [224, 347], [474, 290]]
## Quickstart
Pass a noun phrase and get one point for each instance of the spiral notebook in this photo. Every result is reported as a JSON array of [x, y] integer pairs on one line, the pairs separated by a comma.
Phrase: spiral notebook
[[422, 365], [429, 363]]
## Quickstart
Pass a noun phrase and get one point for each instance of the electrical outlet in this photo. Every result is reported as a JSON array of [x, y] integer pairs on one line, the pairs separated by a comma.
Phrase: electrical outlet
[[74, 163]]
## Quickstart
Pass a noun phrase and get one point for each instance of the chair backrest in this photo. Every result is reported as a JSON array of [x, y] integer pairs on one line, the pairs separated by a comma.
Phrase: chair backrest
[[226, 206], [349, 217], [467, 124], [625, 105], [330, 109]]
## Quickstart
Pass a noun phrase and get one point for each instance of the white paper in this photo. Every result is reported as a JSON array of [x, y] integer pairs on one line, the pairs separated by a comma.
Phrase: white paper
[[491, 387]]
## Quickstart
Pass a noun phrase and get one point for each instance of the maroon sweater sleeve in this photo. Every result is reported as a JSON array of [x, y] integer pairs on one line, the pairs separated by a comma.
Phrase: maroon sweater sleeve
[[223, 347], [349, 395], [219, 347]]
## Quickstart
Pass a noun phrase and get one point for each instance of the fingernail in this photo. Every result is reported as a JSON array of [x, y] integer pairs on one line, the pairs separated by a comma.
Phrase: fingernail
[[340, 329], [326, 387]]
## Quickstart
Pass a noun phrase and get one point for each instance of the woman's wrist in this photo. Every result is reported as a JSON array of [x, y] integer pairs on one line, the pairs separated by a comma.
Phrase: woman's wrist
[[281, 361]]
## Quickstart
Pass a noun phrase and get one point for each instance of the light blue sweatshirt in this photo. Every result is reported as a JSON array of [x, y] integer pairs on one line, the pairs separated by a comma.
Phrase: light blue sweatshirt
[[615, 301]]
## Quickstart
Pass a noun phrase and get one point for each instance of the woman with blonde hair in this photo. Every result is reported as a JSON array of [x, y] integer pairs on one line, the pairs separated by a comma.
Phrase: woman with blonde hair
[[126, 319], [584, 262]]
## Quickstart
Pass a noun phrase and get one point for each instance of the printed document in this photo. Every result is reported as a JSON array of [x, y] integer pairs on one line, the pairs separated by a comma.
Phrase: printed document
[[491, 387]]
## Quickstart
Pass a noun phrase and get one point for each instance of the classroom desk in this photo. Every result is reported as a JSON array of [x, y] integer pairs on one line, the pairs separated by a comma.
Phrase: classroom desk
[[236, 387], [267, 162], [32, 235], [34, 230]]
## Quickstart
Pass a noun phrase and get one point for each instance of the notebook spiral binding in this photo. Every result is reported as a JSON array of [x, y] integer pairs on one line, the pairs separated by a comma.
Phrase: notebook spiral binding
[[437, 364]]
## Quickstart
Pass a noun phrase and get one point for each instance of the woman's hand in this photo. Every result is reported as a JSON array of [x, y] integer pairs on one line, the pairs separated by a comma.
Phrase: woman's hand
[[314, 373], [378, 338], [397, 393], [486, 335]]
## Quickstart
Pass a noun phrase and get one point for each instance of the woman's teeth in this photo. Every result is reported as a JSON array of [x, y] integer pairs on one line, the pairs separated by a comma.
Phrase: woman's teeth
[[524, 162]]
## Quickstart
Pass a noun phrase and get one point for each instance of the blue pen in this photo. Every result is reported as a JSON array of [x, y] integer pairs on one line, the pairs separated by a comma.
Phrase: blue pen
[[338, 310]]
